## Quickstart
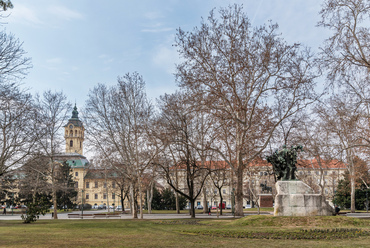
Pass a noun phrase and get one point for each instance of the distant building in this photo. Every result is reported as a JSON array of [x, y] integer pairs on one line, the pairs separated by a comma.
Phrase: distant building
[[95, 186]]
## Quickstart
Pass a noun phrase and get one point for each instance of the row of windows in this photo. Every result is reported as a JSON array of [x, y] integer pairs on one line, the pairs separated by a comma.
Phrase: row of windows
[[215, 191], [76, 134], [96, 185], [96, 196], [71, 144]]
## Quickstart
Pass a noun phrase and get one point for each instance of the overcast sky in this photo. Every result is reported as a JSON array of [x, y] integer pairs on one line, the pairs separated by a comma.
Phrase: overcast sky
[[74, 45]]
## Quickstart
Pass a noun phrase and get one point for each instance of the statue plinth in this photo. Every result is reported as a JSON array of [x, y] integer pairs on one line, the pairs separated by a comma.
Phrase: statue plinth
[[295, 198]]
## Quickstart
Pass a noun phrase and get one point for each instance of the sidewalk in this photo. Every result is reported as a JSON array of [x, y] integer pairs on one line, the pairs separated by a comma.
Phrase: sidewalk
[[124, 216]]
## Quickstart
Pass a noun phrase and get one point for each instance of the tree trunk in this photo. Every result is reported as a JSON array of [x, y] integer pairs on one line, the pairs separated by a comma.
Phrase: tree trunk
[[221, 203], [205, 207], [192, 208], [177, 203], [54, 196], [122, 200], [140, 199], [239, 192], [353, 191], [150, 197], [133, 205]]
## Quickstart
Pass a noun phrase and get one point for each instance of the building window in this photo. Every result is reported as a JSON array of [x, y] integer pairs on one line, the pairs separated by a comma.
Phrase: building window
[[317, 172], [96, 184], [224, 191], [114, 185], [76, 174], [96, 196], [105, 185], [80, 144], [105, 196], [87, 185], [325, 173], [76, 185], [76, 133], [71, 143], [87, 196], [113, 196]]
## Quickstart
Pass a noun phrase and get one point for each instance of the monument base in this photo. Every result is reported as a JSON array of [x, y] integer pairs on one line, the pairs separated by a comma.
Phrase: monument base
[[295, 198], [266, 200]]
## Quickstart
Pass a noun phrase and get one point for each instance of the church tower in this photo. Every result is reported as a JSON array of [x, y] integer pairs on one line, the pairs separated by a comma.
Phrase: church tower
[[74, 134]]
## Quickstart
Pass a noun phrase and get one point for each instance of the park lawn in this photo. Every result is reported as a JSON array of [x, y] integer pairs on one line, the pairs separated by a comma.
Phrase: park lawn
[[178, 233]]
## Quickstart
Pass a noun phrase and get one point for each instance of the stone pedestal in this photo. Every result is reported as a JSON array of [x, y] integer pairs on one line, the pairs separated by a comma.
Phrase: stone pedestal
[[295, 198], [266, 200]]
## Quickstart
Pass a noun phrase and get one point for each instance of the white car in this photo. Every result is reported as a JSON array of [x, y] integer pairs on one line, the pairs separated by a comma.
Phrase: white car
[[119, 208]]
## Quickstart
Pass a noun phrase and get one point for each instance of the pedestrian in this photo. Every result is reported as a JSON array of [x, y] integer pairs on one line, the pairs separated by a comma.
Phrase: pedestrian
[[337, 209], [209, 210], [4, 211]]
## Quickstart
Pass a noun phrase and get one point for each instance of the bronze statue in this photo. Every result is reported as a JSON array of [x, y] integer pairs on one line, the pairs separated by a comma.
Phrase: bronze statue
[[284, 162]]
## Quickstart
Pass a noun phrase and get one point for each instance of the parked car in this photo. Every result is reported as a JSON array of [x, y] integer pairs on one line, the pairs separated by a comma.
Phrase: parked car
[[119, 208], [248, 206], [214, 207], [20, 206], [102, 207], [223, 205], [199, 207], [228, 206]]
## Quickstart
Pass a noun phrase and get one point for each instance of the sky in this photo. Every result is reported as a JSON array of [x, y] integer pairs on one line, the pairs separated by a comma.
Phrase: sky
[[76, 44]]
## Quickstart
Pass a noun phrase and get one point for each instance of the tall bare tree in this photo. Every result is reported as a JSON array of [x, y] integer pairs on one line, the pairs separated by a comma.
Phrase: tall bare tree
[[53, 114], [185, 137], [17, 136], [118, 120], [250, 80], [340, 118]]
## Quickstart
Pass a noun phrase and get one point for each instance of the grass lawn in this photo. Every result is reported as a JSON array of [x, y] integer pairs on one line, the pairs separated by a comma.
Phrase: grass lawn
[[251, 231]]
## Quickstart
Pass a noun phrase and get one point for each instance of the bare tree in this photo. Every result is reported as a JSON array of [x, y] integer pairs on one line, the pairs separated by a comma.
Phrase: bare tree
[[35, 177], [17, 136], [184, 139], [340, 118], [118, 122], [53, 109], [348, 48], [250, 79], [220, 176]]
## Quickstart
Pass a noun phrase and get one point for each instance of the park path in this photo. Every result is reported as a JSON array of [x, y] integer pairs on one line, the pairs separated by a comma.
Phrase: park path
[[48, 216]]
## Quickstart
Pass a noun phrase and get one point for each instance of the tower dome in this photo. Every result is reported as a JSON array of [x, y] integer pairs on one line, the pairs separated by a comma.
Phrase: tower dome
[[74, 134]]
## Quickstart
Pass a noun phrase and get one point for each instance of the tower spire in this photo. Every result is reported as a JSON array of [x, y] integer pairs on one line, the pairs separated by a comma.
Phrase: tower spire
[[75, 112]]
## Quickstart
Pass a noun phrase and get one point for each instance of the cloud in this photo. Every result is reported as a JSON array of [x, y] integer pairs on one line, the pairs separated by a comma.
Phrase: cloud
[[24, 14], [54, 60], [105, 59], [166, 57], [65, 13], [156, 30], [153, 15]]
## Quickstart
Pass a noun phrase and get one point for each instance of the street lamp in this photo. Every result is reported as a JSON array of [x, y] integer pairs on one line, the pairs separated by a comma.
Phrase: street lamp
[[233, 201]]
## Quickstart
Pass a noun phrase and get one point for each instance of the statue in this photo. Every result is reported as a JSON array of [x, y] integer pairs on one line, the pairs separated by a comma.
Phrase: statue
[[265, 188], [284, 162]]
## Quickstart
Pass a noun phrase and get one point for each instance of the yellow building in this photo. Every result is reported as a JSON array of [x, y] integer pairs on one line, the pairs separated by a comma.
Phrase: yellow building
[[95, 186]]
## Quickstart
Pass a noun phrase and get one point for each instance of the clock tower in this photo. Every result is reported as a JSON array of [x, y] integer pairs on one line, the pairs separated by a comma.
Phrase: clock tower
[[74, 134]]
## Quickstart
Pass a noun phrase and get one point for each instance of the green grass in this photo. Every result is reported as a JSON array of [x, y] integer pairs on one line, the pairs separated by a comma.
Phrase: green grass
[[251, 231]]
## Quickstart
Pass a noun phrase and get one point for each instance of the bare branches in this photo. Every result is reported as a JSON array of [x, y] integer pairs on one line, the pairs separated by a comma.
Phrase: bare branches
[[249, 78]]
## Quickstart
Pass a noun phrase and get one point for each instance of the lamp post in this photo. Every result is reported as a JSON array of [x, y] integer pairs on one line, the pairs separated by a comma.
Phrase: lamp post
[[82, 191], [367, 200], [82, 205], [233, 201]]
